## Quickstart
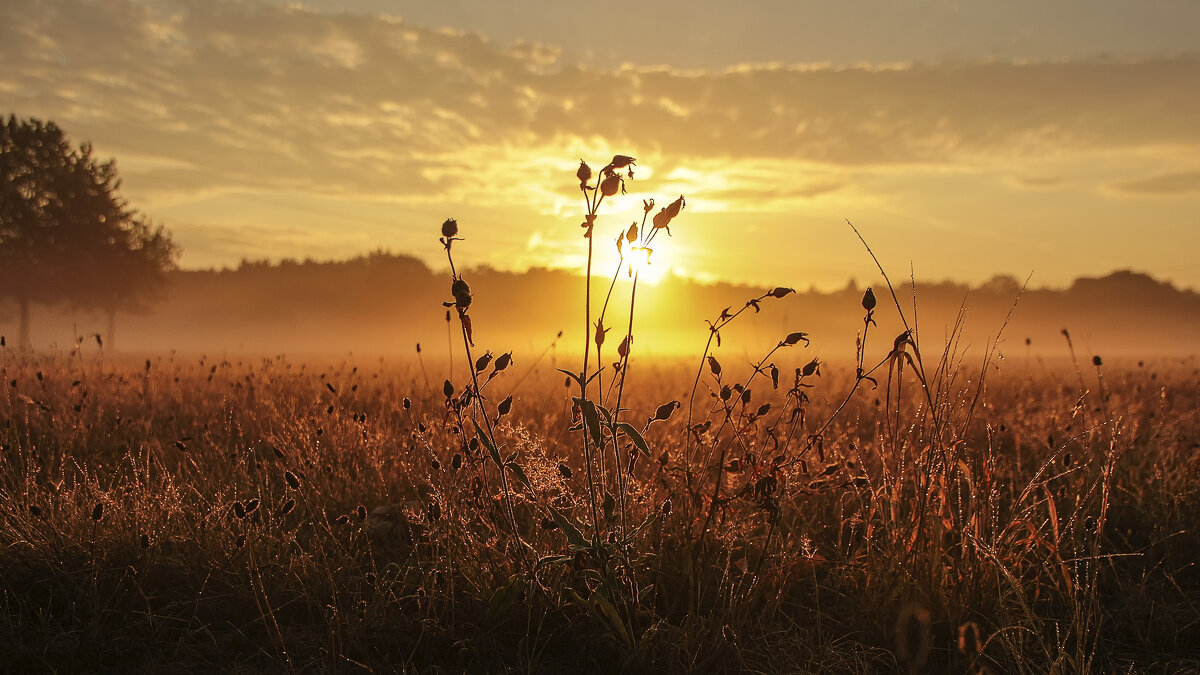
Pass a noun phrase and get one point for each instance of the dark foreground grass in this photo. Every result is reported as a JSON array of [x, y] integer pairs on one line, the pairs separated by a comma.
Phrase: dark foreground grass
[[272, 516]]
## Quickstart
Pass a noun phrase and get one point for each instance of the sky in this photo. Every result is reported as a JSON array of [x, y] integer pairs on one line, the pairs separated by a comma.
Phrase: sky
[[965, 140]]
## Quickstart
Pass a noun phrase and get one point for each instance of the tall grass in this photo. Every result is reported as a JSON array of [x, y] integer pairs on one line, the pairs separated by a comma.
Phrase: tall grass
[[920, 508]]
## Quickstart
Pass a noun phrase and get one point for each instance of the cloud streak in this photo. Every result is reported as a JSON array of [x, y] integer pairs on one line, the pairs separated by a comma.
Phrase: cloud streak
[[200, 98]]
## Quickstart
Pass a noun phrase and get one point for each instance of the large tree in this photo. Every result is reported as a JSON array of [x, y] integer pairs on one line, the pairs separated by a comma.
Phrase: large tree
[[66, 235]]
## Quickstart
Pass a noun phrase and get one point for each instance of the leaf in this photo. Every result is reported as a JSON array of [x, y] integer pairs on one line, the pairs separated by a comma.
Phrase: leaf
[[487, 443], [612, 618], [553, 560], [634, 436], [574, 537], [590, 417], [504, 597], [520, 474]]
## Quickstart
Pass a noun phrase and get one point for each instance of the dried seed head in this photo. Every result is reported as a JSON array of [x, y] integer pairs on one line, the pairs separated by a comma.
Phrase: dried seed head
[[969, 640], [610, 185], [663, 218], [621, 161], [664, 411], [450, 228], [482, 362], [503, 361], [600, 332], [462, 293], [584, 174], [868, 299], [793, 338]]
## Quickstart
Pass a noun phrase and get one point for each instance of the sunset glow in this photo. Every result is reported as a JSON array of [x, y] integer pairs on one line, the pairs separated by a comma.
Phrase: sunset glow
[[957, 142]]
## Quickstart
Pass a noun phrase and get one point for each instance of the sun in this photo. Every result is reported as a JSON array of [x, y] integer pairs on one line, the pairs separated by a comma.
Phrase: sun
[[650, 266]]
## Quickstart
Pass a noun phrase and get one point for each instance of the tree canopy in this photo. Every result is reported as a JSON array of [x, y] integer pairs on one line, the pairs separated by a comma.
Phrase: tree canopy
[[66, 235]]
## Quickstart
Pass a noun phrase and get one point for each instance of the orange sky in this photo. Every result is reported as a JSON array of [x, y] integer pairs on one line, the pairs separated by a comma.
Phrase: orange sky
[[968, 139]]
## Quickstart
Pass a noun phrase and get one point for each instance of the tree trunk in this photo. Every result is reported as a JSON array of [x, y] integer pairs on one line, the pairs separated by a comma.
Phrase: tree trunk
[[23, 342]]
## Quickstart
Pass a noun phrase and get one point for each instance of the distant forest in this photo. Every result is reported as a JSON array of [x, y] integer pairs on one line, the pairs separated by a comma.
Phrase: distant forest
[[387, 304]]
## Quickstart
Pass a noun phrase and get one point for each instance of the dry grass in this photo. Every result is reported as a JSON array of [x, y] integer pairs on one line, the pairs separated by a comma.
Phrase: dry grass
[[903, 512]]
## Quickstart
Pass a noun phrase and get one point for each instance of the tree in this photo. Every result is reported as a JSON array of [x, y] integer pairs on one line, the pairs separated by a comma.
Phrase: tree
[[65, 233]]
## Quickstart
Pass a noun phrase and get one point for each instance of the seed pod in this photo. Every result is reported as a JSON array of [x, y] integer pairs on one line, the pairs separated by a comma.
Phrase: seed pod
[[406, 403], [450, 228], [448, 389], [361, 512], [98, 512], [663, 218], [291, 480], [251, 506], [503, 361], [1097, 361], [564, 471], [774, 376], [868, 299], [287, 507], [505, 406], [623, 348], [610, 185], [780, 291], [665, 410], [462, 293], [238, 510], [632, 233], [726, 393], [714, 366], [482, 362], [811, 367], [584, 174], [600, 331], [666, 507], [793, 338], [621, 161]]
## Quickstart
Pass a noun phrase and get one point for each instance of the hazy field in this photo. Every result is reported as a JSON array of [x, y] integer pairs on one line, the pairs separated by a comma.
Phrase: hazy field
[[200, 515]]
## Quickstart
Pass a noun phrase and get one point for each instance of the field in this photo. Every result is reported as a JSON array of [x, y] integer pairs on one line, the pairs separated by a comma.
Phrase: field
[[188, 515]]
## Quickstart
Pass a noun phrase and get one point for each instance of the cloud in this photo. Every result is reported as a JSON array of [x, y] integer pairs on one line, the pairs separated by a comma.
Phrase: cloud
[[1167, 184], [205, 102]]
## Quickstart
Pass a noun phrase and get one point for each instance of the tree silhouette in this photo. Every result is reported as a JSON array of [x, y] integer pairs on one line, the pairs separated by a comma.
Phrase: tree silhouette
[[65, 233]]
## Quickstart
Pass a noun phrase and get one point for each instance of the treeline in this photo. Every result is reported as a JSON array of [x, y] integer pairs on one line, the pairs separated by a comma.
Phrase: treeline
[[384, 303]]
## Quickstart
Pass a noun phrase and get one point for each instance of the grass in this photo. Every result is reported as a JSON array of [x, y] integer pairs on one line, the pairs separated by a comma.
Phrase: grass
[[899, 512]]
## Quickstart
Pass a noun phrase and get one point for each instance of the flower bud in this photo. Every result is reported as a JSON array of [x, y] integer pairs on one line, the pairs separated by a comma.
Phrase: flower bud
[[450, 228]]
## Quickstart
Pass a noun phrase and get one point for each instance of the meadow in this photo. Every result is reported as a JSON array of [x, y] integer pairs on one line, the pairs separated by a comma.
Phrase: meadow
[[923, 507]]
